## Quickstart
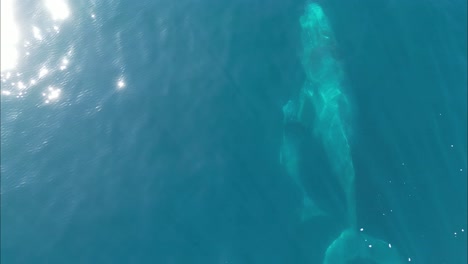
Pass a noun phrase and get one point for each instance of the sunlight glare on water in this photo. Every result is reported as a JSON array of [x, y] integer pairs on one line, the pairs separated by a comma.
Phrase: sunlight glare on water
[[28, 59], [17, 60], [9, 36]]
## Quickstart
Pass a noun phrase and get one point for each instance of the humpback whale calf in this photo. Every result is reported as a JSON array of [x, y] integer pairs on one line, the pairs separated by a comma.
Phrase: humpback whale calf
[[303, 154], [319, 111]]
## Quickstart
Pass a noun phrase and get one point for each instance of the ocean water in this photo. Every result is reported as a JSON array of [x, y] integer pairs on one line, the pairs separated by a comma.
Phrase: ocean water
[[150, 131]]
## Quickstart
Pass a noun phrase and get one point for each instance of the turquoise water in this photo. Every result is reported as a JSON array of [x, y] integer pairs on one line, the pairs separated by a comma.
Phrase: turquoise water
[[150, 131]]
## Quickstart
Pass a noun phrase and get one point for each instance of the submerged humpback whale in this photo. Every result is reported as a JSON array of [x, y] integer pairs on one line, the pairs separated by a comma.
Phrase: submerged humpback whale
[[319, 112]]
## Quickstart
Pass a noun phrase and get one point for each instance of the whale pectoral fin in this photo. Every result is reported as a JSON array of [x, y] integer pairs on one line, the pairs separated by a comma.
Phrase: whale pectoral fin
[[351, 246], [310, 209]]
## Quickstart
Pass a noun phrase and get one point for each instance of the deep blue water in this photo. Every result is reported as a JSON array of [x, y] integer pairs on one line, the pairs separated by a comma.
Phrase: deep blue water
[[158, 141]]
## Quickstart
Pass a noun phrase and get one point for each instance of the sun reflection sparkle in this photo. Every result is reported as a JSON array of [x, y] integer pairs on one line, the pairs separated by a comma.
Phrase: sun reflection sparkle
[[58, 9], [37, 33], [52, 94], [43, 72], [120, 84]]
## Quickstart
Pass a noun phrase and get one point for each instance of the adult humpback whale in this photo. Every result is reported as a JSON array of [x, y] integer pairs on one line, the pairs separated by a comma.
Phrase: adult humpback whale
[[321, 108]]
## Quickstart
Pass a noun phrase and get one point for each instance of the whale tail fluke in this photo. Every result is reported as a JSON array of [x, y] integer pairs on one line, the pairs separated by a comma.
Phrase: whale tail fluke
[[355, 247]]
